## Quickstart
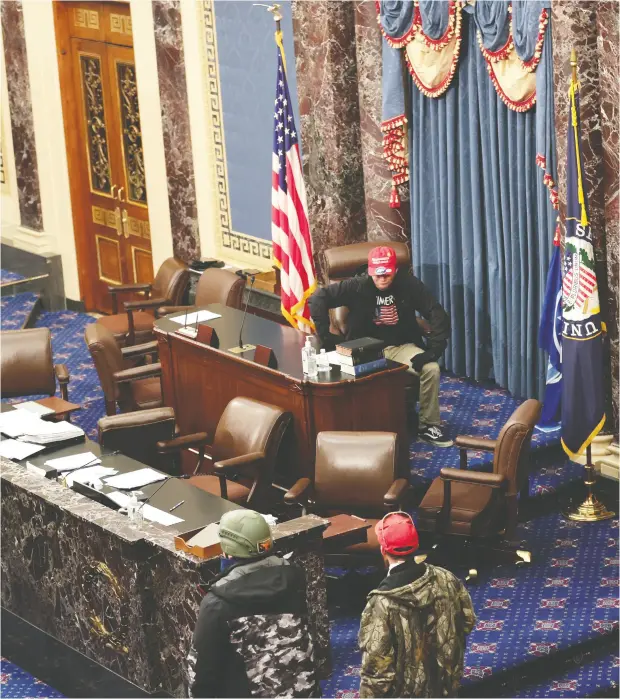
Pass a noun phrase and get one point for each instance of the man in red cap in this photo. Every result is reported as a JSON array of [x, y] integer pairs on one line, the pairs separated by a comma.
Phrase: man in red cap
[[383, 304], [412, 632]]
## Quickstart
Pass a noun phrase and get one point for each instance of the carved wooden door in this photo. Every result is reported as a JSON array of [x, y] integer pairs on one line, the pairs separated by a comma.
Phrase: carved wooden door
[[104, 145]]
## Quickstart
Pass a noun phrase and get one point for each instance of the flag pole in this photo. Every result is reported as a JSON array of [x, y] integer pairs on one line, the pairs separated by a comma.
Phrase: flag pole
[[591, 509]]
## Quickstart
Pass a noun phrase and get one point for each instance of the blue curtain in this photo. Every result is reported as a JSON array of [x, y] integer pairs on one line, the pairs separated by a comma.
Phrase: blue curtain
[[482, 220]]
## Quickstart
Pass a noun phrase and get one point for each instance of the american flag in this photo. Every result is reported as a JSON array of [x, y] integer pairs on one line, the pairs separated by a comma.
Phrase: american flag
[[577, 289], [292, 246], [388, 315]]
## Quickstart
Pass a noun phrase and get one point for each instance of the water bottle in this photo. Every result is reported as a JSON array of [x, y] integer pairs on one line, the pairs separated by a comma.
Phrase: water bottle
[[308, 359], [134, 509], [323, 363]]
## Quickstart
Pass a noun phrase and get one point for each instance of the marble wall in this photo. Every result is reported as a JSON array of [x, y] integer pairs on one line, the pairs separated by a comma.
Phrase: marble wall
[[591, 28], [176, 128], [382, 222], [22, 125], [327, 88]]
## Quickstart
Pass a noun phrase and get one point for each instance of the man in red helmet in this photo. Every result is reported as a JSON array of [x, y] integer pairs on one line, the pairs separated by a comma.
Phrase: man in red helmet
[[383, 304], [412, 632]]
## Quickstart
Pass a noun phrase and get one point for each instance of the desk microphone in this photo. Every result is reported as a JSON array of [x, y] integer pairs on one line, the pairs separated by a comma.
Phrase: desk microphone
[[166, 479], [244, 348]]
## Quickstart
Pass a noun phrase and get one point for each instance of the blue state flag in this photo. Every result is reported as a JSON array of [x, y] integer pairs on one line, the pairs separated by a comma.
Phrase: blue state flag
[[550, 339], [583, 395]]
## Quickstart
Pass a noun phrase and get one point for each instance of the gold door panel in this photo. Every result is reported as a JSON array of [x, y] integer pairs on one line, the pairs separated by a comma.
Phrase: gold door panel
[[142, 265], [109, 260]]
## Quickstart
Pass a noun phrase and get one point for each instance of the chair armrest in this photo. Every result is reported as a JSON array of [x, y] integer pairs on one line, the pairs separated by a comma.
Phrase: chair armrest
[[475, 443], [125, 289], [198, 439], [168, 310], [298, 492], [62, 374], [140, 350], [143, 303], [146, 371], [396, 492], [238, 462], [491, 480]]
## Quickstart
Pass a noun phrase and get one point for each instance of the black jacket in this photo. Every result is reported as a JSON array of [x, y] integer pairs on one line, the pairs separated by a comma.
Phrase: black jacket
[[251, 637], [359, 295]]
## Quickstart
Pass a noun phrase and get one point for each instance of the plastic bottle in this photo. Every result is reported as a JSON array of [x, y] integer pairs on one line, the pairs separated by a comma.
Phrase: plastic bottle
[[134, 509], [323, 362], [308, 359]]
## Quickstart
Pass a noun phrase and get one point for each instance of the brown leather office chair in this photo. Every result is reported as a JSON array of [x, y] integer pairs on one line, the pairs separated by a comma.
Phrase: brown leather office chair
[[135, 325], [355, 473], [484, 506], [214, 286], [149, 436], [28, 367], [124, 385], [244, 453]]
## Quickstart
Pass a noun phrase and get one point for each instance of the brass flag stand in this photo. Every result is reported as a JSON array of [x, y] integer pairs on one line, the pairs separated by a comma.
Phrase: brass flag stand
[[591, 509]]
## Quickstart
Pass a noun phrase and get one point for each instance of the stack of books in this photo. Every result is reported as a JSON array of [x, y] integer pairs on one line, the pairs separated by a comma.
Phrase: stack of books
[[360, 357]]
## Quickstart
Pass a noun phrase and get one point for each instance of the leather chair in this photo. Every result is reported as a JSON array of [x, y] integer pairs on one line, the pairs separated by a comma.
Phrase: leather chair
[[355, 473], [124, 385], [483, 507], [135, 325], [149, 436], [215, 286], [244, 453], [28, 367]]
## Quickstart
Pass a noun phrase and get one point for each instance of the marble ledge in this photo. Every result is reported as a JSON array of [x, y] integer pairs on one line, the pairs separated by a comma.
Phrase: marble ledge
[[308, 526]]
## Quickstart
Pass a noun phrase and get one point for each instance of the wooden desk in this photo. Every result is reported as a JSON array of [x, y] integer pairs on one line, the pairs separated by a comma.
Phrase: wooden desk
[[199, 381]]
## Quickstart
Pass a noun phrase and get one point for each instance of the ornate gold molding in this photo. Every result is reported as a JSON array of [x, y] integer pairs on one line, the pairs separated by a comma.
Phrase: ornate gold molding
[[86, 19], [120, 24]]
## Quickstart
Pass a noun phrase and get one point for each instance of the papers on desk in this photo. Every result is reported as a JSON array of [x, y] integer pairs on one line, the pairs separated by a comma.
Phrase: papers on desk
[[88, 475], [13, 449], [30, 428], [334, 357], [136, 479], [153, 514], [70, 463], [195, 317], [35, 408]]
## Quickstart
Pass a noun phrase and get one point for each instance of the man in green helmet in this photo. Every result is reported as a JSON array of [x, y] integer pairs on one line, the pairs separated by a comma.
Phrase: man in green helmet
[[251, 637]]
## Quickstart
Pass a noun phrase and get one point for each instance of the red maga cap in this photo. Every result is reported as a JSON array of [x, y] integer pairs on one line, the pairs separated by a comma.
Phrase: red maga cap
[[397, 534], [381, 260]]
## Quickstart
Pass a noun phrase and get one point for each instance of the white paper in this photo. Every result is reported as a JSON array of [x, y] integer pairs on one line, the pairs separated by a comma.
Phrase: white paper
[[136, 479], [35, 408], [88, 475], [13, 423], [12, 449], [333, 357], [194, 317], [70, 463], [30, 428], [153, 514]]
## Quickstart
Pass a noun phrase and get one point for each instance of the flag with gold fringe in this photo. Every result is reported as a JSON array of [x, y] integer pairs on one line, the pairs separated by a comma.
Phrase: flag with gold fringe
[[583, 395]]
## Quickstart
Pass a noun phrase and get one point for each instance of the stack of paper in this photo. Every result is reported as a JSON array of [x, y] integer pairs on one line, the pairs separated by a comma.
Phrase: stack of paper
[[136, 479], [35, 408], [70, 463], [195, 317], [12, 449], [30, 428], [89, 475]]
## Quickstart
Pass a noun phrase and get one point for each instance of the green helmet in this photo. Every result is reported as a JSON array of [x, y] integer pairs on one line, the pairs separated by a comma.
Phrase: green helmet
[[244, 534]]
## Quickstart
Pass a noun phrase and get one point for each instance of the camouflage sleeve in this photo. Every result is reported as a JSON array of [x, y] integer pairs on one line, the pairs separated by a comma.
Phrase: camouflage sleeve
[[469, 615], [378, 656]]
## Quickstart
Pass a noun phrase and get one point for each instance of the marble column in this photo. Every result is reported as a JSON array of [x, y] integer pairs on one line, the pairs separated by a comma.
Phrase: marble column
[[383, 223], [20, 106], [327, 87], [608, 41], [580, 25], [176, 128]]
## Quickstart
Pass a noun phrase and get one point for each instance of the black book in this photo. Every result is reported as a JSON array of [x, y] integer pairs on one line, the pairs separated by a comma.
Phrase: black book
[[364, 346]]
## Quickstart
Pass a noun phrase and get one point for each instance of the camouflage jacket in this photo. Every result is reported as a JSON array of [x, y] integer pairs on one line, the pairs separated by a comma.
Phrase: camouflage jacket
[[412, 634]]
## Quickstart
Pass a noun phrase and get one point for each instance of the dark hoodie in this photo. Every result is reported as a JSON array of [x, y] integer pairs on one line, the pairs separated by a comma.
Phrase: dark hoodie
[[251, 637], [412, 634]]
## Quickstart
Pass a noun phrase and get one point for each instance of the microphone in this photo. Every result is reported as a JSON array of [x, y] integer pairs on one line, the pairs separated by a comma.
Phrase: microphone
[[166, 479], [251, 275]]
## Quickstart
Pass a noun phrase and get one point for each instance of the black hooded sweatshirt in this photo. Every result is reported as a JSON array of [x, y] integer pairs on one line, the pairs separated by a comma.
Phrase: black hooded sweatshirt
[[252, 637]]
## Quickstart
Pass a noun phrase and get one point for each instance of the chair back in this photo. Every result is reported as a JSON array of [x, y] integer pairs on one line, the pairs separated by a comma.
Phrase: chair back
[[354, 470], [513, 445], [346, 261], [136, 435], [27, 365], [171, 281], [248, 426], [107, 358], [220, 286]]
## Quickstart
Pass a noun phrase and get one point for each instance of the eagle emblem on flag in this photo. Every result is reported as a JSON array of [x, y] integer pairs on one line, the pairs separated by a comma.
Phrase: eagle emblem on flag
[[579, 287]]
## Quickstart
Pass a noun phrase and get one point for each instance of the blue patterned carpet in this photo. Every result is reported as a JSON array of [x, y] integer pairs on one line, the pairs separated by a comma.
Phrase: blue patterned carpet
[[567, 597], [6, 277], [14, 310]]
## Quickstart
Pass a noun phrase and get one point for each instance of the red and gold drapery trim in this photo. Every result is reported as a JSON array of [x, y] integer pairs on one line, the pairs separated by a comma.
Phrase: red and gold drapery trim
[[401, 41], [548, 180], [453, 20], [395, 152], [533, 62]]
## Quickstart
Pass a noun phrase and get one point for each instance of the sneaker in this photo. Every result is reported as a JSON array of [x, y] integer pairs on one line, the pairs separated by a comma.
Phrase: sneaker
[[433, 434]]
